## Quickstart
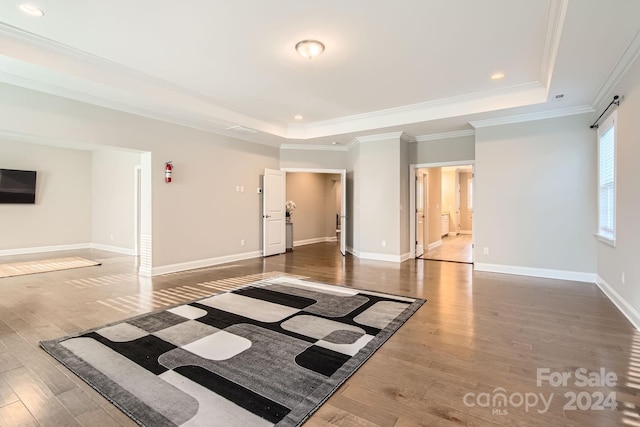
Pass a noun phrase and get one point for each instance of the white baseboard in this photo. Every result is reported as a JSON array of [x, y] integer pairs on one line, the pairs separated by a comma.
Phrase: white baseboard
[[190, 265], [624, 307], [383, 257], [117, 249], [576, 276], [38, 249], [465, 232], [452, 234], [314, 240], [405, 257], [434, 245], [353, 251]]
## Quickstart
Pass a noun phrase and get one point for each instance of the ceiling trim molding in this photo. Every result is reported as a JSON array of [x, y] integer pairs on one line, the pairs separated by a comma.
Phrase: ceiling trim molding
[[381, 137], [314, 147], [445, 135], [490, 100], [352, 144], [556, 17], [619, 70], [542, 115]]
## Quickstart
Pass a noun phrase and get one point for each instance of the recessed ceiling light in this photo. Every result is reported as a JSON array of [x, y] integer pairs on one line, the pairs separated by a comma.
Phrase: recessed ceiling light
[[497, 76], [334, 143], [298, 117], [31, 10], [309, 48]]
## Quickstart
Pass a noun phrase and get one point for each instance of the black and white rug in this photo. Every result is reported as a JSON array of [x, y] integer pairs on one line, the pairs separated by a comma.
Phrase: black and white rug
[[267, 354]]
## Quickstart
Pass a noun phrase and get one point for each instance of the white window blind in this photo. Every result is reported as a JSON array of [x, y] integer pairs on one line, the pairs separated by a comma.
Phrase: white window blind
[[607, 179]]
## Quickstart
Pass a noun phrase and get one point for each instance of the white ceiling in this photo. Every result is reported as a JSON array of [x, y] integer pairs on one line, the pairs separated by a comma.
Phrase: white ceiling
[[416, 66]]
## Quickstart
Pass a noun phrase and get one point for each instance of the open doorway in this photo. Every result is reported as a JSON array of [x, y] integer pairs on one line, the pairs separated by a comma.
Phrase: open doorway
[[443, 205], [319, 215]]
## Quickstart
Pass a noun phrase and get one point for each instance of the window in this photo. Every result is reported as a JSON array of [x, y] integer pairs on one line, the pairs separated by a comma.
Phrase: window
[[607, 180], [470, 193]]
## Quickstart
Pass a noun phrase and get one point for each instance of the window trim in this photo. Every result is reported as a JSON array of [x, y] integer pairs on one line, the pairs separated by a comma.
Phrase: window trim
[[611, 120]]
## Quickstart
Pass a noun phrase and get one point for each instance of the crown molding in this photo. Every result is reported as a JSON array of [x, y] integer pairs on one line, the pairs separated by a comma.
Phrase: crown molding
[[445, 135], [401, 135], [556, 16], [582, 109], [313, 147], [115, 86], [479, 102], [352, 144], [619, 70]]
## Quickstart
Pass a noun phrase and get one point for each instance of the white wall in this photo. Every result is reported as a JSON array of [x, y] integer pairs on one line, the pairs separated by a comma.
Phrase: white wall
[[333, 202], [312, 213], [612, 262], [313, 159], [405, 215], [535, 196], [198, 218], [442, 150], [113, 202], [449, 197], [379, 216], [62, 213], [353, 199]]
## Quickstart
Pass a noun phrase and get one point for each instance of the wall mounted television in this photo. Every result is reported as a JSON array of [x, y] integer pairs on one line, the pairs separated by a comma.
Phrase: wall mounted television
[[17, 186]]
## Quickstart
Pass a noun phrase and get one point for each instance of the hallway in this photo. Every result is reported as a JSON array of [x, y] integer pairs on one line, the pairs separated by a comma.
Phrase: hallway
[[454, 249]]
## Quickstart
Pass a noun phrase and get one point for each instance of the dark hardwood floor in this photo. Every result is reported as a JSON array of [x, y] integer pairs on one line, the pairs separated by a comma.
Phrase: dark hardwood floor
[[480, 335]]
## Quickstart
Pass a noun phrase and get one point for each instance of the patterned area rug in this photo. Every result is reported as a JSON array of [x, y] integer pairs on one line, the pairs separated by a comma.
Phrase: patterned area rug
[[267, 354], [43, 266]]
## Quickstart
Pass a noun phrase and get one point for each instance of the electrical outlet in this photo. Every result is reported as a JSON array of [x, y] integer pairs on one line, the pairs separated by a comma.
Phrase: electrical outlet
[[242, 242], [111, 236], [242, 188], [237, 188], [384, 243], [622, 278], [485, 250]]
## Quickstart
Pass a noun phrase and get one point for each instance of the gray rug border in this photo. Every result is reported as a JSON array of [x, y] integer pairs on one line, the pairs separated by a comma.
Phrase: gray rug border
[[302, 412], [319, 396]]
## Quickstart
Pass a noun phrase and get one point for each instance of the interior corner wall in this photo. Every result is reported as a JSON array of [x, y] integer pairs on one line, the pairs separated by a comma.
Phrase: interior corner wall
[[379, 174], [535, 198], [62, 212], [612, 262], [113, 202], [442, 150], [405, 216]]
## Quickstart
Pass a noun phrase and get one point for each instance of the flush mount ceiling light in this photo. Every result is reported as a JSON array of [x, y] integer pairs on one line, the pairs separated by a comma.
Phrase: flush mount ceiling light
[[497, 76], [309, 48], [31, 10], [298, 117]]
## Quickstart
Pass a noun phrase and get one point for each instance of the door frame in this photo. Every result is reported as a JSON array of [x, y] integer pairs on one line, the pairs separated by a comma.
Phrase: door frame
[[343, 208], [424, 176], [412, 199]]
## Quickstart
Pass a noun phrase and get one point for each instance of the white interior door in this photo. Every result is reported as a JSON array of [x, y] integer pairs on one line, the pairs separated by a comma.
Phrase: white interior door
[[273, 212], [420, 225], [343, 213]]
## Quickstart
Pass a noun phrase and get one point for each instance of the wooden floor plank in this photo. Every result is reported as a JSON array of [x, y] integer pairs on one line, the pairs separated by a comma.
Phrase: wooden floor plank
[[477, 332]]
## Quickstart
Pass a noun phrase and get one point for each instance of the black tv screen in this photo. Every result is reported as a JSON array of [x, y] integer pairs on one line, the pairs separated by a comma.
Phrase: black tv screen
[[17, 186]]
